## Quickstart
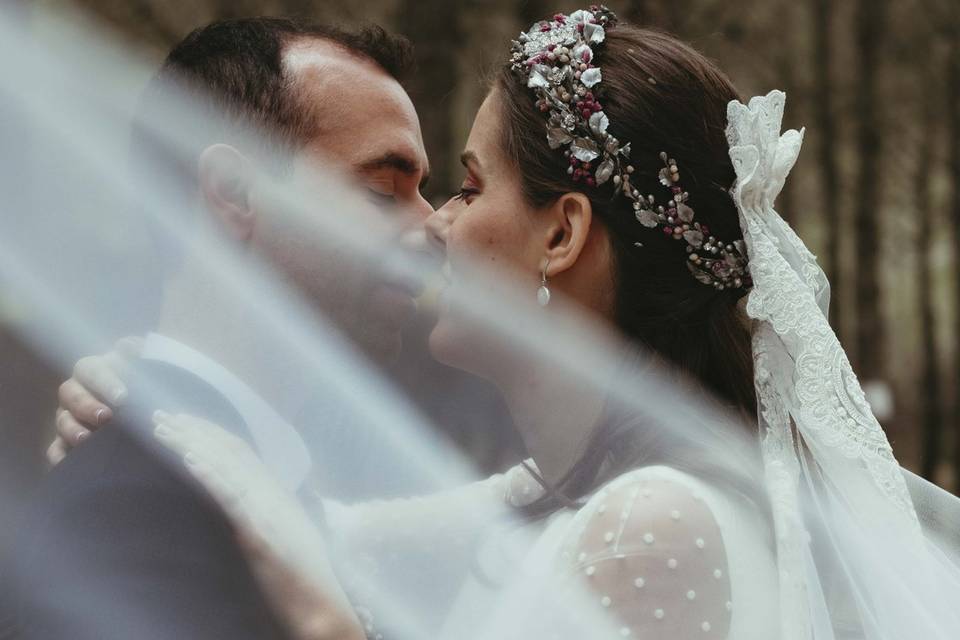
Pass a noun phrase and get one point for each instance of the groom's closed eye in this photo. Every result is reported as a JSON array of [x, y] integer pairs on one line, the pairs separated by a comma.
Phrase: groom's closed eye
[[383, 201], [401, 165]]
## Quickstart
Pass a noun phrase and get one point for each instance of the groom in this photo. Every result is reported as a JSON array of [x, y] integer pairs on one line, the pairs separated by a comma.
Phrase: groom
[[120, 545]]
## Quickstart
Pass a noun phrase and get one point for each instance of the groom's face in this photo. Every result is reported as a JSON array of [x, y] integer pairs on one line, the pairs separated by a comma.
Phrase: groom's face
[[367, 130]]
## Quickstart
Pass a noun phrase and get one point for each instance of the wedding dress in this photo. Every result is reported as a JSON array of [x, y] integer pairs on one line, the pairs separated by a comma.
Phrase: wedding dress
[[656, 552]]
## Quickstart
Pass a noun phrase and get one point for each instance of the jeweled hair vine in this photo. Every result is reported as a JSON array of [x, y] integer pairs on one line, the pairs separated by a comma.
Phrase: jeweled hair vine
[[558, 61]]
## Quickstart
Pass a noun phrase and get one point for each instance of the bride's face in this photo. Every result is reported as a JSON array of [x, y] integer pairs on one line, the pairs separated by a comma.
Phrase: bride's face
[[487, 230]]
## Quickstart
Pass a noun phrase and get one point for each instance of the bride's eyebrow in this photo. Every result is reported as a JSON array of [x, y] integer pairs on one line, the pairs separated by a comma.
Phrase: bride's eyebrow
[[468, 158]]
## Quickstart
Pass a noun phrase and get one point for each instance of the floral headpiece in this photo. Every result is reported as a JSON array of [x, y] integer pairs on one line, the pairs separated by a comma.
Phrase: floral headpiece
[[556, 58]]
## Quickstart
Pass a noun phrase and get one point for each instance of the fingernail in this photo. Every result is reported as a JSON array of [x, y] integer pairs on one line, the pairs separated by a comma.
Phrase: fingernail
[[162, 431], [119, 396], [160, 416], [82, 436], [98, 416]]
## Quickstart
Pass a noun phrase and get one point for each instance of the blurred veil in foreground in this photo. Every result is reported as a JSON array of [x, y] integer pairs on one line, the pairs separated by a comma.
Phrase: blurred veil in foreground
[[90, 224]]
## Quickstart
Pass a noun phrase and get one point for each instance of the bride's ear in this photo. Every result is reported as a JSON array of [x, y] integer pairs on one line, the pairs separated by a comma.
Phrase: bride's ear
[[225, 178], [568, 226]]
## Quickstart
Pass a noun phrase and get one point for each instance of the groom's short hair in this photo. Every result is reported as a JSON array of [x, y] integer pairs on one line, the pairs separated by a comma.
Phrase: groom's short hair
[[238, 65], [232, 71]]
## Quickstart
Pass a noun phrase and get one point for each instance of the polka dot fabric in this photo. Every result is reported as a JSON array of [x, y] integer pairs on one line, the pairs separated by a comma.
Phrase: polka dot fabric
[[650, 552]]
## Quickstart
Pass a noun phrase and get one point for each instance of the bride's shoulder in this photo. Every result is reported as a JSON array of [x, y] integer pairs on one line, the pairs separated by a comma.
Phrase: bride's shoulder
[[655, 491], [651, 534], [638, 505]]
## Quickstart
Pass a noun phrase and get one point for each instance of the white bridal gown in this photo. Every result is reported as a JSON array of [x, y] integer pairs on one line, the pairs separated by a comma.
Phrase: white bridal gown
[[655, 553]]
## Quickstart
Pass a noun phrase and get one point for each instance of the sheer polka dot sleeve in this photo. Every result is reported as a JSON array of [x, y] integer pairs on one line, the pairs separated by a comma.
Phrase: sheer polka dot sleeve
[[649, 552]]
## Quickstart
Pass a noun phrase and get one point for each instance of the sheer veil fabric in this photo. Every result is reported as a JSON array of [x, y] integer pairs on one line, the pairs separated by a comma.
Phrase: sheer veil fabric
[[826, 458], [811, 531]]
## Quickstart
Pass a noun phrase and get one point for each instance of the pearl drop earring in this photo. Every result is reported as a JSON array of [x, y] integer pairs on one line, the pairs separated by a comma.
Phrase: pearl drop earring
[[543, 293]]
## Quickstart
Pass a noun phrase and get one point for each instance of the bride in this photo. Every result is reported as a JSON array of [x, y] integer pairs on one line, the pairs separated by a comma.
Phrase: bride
[[615, 168]]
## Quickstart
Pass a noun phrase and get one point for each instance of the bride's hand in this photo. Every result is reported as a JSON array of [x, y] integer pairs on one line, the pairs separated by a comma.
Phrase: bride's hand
[[86, 398], [286, 550]]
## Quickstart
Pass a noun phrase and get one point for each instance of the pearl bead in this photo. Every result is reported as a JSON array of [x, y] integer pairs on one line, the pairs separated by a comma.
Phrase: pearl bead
[[700, 543], [675, 515], [648, 538], [729, 606], [672, 563], [591, 570], [658, 614], [605, 601], [639, 582], [582, 556], [717, 574], [705, 626], [543, 296], [608, 536], [691, 594]]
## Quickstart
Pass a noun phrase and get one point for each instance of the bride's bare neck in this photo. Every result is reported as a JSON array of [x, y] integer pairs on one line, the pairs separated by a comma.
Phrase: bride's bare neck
[[554, 413]]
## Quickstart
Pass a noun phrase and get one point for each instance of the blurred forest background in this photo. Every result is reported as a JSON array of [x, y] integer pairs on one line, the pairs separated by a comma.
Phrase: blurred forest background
[[876, 194]]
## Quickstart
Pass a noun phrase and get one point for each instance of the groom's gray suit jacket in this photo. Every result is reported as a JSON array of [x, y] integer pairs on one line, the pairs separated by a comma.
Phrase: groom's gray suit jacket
[[119, 543]]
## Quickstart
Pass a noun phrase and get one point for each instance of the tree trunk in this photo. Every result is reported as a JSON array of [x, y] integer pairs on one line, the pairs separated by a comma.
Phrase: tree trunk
[[434, 26], [827, 150], [953, 136], [929, 391], [871, 338]]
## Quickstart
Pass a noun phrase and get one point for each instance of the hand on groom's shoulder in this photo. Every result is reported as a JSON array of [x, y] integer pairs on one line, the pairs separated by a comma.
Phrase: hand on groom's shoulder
[[118, 543]]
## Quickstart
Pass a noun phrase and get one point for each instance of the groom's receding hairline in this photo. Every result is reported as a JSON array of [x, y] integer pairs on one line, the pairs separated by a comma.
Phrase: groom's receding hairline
[[237, 67]]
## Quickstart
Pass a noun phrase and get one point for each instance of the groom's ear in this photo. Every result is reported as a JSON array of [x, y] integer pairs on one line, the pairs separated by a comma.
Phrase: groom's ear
[[225, 177], [568, 226]]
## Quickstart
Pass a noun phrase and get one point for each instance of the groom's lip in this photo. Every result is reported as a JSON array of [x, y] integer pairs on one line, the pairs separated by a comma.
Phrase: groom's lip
[[413, 287], [396, 304]]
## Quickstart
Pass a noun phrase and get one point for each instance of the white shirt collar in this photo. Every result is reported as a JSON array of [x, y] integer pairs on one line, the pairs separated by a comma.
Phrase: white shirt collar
[[279, 445]]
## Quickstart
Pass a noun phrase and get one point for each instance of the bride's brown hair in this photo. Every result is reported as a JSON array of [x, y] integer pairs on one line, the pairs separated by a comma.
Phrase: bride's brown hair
[[660, 95]]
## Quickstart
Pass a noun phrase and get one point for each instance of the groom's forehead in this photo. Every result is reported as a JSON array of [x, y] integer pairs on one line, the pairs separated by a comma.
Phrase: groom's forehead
[[361, 115], [330, 80]]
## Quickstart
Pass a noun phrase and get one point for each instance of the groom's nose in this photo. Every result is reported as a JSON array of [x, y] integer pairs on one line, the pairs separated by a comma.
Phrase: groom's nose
[[437, 226], [416, 207]]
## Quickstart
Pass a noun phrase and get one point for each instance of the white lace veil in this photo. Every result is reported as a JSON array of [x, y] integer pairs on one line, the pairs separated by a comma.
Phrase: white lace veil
[[825, 455]]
